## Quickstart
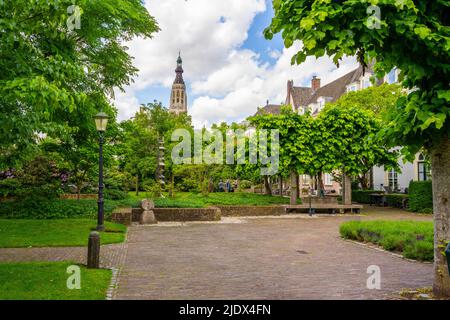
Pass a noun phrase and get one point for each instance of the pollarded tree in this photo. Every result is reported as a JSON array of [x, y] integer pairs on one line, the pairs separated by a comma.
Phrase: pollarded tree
[[411, 35], [378, 99], [348, 140], [295, 137]]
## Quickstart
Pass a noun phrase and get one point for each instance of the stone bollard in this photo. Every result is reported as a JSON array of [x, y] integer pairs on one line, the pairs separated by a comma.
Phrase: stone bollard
[[147, 216], [93, 260]]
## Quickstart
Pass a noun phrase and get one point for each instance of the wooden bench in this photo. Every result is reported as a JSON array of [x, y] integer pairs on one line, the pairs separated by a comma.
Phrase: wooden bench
[[331, 208]]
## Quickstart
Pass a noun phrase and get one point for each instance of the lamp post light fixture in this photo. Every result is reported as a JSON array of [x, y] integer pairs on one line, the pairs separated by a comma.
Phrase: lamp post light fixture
[[101, 121]]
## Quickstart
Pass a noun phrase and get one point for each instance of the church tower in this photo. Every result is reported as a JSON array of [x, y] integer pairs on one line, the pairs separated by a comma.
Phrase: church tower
[[178, 97]]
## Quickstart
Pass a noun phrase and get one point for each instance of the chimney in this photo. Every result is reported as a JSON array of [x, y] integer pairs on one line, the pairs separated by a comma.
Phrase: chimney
[[315, 83], [290, 84]]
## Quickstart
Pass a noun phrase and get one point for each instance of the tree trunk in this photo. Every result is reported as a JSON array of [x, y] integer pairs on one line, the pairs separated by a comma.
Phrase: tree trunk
[[281, 185], [297, 182], [347, 189], [137, 185], [267, 186], [294, 187], [320, 184], [371, 186], [440, 166], [172, 187]]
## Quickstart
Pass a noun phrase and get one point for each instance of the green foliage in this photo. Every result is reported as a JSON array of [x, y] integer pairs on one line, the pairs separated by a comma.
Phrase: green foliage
[[139, 136], [38, 208], [48, 281], [423, 54], [413, 239], [338, 139], [397, 200], [52, 79], [198, 200], [363, 196], [245, 184], [378, 99], [115, 194], [420, 196], [55, 233]]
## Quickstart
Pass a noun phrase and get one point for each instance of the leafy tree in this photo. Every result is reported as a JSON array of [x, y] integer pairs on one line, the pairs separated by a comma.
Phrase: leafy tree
[[411, 35], [295, 148], [347, 141], [378, 99], [54, 77], [139, 141]]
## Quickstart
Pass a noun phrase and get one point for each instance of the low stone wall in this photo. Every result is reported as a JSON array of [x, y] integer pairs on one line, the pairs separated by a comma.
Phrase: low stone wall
[[251, 211], [72, 196], [122, 216], [187, 214]]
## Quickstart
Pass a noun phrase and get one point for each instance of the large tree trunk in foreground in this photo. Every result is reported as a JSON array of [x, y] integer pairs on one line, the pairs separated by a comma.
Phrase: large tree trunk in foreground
[[347, 189], [440, 166], [294, 187]]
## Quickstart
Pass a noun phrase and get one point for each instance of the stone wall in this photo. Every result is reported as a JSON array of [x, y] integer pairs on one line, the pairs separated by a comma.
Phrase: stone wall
[[251, 211], [187, 214], [72, 196], [122, 216]]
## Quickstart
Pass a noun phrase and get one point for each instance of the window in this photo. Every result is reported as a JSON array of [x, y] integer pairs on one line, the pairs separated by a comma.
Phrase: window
[[393, 180], [392, 76], [352, 88], [423, 169], [366, 84], [178, 100], [328, 179]]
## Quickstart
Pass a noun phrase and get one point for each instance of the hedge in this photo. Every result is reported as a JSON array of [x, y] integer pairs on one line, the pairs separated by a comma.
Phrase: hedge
[[36, 208], [421, 196], [363, 196], [397, 200], [414, 239]]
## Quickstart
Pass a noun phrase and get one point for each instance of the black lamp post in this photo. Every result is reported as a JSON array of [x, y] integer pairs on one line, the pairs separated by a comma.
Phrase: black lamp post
[[101, 120]]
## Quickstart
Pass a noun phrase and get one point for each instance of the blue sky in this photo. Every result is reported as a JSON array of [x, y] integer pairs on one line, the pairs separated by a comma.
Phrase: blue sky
[[230, 69], [255, 42]]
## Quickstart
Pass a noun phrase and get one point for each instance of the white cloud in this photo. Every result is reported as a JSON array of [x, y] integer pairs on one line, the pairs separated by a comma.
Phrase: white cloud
[[247, 85], [229, 83]]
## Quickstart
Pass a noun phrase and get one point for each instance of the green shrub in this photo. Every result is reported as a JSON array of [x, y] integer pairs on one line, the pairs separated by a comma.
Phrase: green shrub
[[9, 187], [245, 184], [114, 194], [420, 196], [38, 208], [397, 200], [363, 196], [413, 239]]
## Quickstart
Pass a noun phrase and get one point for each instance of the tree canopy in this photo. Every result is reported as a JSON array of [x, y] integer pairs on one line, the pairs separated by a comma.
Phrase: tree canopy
[[54, 78]]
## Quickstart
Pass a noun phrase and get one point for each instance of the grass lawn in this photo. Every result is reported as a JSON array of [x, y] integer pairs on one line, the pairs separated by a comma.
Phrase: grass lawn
[[197, 200], [55, 233], [48, 281], [413, 239]]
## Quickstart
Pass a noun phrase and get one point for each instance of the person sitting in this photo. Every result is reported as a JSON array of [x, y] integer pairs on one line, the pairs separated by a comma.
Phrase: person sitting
[[221, 186]]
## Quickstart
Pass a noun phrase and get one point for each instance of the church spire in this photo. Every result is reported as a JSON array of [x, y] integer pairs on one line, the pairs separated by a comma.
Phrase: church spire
[[178, 97], [179, 70]]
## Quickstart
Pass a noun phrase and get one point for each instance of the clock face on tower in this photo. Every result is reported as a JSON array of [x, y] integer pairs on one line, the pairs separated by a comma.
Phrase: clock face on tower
[[178, 96]]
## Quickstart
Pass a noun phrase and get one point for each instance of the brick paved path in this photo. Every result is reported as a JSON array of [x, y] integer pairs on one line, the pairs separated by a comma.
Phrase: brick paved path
[[110, 255], [301, 258]]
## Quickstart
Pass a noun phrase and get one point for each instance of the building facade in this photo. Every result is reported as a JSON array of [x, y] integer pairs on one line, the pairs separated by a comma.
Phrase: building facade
[[178, 96], [313, 99]]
